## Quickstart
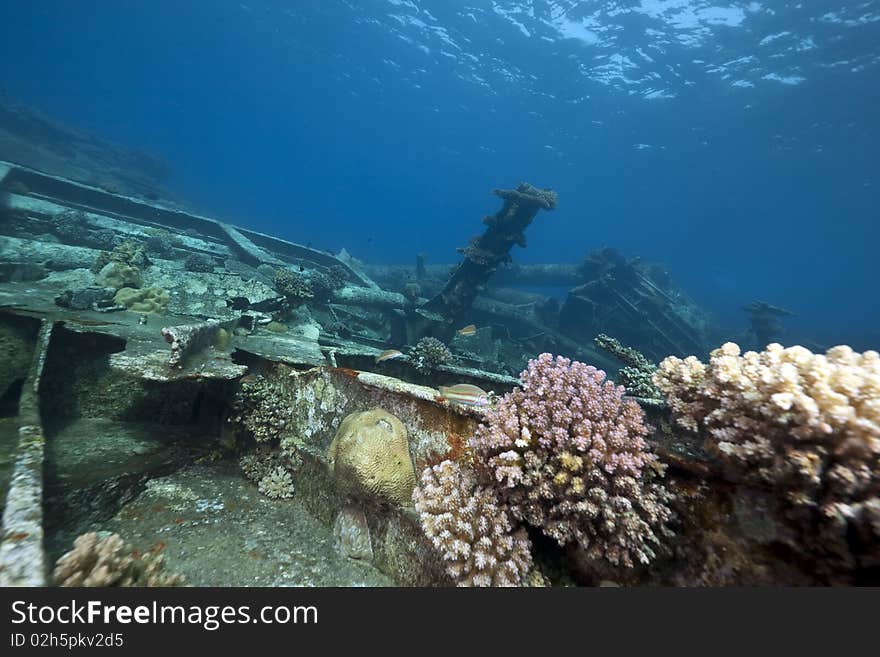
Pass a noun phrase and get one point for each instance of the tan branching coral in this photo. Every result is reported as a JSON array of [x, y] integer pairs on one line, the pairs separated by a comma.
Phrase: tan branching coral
[[294, 286], [805, 424], [108, 561], [637, 372], [260, 408], [370, 457], [119, 275], [277, 484], [428, 354], [470, 528], [271, 471], [258, 463], [130, 253]]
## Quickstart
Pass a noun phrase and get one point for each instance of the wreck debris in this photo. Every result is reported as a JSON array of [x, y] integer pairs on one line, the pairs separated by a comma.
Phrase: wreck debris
[[512, 273], [189, 339], [633, 301], [22, 556], [487, 252], [360, 313], [199, 262], [637, 372], [249, 252], [421, 272], [764, 321], [92, 297], [364, 296]]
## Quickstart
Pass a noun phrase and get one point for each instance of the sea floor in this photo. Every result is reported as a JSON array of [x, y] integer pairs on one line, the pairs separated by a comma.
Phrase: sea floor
[[88, 451], [212, 524], [218, 530]]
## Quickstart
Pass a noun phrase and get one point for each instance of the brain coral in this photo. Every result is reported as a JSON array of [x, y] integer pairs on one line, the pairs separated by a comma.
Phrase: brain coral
[[805, 424], [146, 300], [370, 457], [568, 455], [119, 275], [470, 528]]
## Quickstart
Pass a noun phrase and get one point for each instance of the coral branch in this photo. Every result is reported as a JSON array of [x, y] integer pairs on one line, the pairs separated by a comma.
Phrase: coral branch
[[470, 528]]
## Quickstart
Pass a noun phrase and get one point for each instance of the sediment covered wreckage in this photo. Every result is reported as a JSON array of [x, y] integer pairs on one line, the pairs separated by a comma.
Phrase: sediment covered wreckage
[[137, 385]]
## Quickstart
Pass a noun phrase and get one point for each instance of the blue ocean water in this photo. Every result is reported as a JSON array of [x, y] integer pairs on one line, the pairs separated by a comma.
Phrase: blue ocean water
[[735, 142]]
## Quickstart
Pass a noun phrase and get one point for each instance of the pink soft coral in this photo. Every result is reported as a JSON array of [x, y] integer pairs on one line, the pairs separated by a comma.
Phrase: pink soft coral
[[568, 455]]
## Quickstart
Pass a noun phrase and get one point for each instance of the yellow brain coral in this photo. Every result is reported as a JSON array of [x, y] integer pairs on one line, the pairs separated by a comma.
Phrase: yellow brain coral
[[370, 457], [147, 300]]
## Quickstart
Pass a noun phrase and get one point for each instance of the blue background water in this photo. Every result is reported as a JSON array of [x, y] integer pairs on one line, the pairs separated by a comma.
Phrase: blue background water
[[736, 142]]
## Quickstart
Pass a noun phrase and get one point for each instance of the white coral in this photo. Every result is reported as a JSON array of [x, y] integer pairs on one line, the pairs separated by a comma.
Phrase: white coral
[[808, 424], [788, 391], [470, 529], [277, 484]]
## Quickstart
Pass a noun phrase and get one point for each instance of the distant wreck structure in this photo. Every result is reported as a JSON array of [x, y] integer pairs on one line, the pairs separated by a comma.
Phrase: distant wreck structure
[[765, 323], [635, 303], [484, 255]]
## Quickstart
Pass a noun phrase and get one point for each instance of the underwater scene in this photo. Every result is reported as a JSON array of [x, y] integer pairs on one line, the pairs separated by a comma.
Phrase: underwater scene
[[380, 293]]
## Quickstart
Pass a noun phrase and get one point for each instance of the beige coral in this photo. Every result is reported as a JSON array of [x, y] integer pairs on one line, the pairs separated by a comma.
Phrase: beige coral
[[370, 457], [147, 300], [119, 275], [277, 484], [108, 561], [805, 424]]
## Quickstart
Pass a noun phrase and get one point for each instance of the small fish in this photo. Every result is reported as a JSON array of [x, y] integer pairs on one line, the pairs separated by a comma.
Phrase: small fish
[[390, 354], [465, 393], [468, 330]]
